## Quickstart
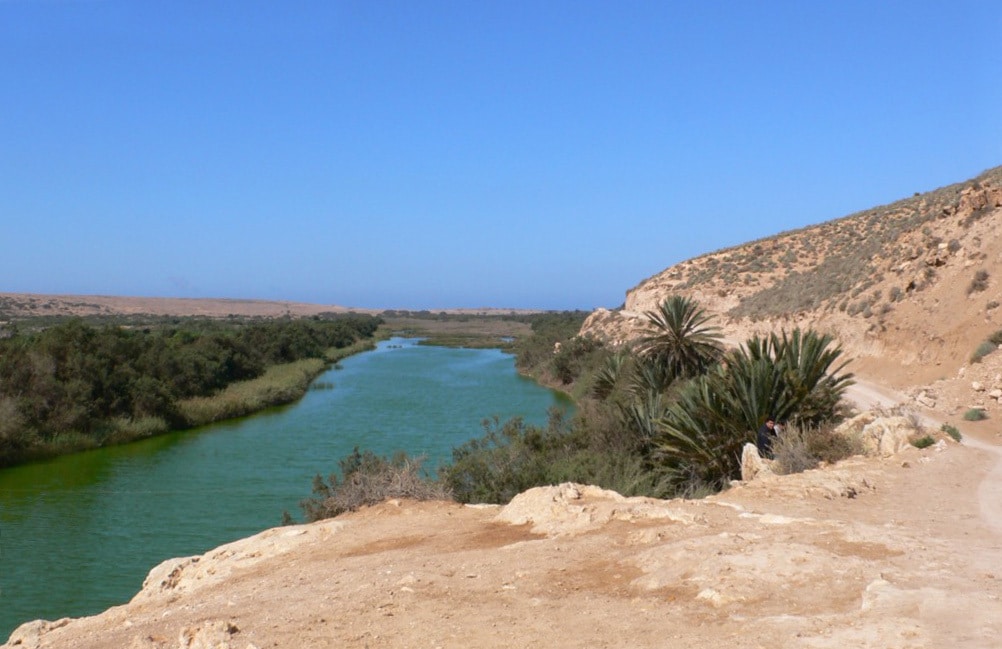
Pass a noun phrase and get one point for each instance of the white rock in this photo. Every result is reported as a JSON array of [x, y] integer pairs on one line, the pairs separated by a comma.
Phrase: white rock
[[752, 464], [977, 386], [886, 436]]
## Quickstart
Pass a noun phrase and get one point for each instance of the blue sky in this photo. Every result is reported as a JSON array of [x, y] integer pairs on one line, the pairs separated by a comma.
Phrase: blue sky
[[472, 153]]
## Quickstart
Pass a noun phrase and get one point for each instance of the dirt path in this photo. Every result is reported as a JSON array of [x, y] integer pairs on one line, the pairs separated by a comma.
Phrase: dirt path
[[867, 395]]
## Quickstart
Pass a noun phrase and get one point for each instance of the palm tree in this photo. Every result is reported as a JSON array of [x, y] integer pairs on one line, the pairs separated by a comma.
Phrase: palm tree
[[680, 340], [793, 377], [812, 382]]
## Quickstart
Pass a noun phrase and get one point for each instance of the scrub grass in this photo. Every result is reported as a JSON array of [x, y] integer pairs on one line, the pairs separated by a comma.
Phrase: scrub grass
[[279, 385]]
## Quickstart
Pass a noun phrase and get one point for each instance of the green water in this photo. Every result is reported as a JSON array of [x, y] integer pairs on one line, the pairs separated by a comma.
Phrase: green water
[[80, 533]]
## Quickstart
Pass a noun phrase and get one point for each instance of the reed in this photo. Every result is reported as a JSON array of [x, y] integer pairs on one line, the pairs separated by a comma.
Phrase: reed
[[279, 385]]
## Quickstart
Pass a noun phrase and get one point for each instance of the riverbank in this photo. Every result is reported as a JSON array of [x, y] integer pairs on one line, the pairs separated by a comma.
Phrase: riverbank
[[279, 385], [873, 552]]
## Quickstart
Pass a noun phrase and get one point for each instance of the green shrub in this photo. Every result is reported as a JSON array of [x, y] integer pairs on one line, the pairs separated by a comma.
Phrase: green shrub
[[975, 414], [985, 348], [592, 449], [951, 431], [979, 283], [573, 357], [923, 441]]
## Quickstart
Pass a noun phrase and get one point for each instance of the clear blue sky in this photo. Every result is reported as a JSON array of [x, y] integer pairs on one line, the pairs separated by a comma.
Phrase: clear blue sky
[[410, 154]]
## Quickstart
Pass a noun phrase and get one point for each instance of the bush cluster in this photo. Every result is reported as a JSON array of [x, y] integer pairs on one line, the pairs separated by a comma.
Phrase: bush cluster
[[975, 414], [979, 282], [73, 381], [368, 479]]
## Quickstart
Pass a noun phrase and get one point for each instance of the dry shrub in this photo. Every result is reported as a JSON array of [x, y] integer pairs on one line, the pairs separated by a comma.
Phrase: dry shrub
[[797, 449], [370, 479]]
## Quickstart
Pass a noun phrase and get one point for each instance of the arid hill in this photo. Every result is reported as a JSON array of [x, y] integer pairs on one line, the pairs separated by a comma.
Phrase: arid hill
[[909, 289]]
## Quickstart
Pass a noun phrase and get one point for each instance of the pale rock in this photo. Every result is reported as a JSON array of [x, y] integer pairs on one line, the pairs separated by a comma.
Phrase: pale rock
[[569, 509], [29, 635], [977, 386], [214, 634], [855, 424], [886, 436], [752, 464], [711, 596], [924, 399], [995, 394]]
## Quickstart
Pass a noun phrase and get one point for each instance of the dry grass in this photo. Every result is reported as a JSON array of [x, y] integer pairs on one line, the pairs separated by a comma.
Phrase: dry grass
[[797, 449]]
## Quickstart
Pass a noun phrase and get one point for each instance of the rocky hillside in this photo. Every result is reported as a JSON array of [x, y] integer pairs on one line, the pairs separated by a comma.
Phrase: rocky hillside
[[910, 289]]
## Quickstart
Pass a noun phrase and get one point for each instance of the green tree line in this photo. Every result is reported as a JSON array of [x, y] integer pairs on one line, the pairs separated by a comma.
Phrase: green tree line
[[74, 384]]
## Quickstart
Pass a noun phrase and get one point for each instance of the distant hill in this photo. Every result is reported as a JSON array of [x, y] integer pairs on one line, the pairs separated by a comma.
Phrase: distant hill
[[23, 305], [17, 306], [910, 288]]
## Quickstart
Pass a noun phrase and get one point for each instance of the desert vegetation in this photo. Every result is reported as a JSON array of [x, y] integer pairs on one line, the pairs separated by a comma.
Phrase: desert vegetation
[[665, 417], [76, 385]]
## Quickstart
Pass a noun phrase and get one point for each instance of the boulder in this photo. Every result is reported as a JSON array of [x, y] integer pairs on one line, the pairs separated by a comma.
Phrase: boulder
[[887, 435], [753, 465], [883, 436], [568, 509]]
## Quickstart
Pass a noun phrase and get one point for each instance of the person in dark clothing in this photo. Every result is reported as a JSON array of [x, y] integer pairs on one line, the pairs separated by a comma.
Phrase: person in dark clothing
[[765, 437]]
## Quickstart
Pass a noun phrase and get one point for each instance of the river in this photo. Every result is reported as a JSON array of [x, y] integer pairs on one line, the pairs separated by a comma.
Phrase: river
[[78, 534]]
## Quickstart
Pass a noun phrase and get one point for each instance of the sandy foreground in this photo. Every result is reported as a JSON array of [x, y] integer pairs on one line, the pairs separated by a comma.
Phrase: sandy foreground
[[898, 552]]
